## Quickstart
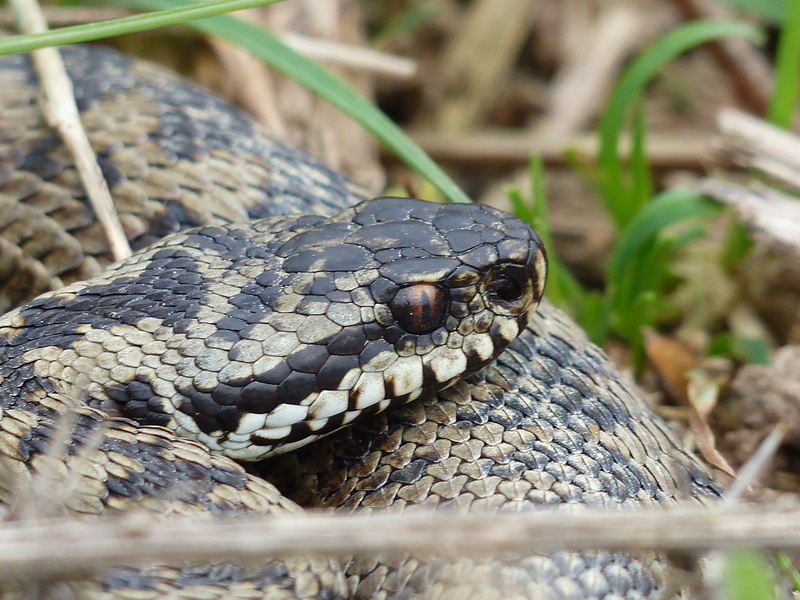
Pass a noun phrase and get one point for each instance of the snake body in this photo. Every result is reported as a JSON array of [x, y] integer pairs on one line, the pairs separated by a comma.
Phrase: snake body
[[549, 421]]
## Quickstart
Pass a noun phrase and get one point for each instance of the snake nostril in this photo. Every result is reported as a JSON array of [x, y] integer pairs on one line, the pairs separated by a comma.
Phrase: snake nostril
[[508, 287], [505, 289]]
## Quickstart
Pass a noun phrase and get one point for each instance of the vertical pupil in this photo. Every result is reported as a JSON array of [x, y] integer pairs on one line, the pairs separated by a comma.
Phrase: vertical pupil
[[419, 308]]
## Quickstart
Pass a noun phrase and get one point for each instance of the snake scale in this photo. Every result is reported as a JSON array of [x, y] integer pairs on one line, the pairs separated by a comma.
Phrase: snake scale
[[256, 330]]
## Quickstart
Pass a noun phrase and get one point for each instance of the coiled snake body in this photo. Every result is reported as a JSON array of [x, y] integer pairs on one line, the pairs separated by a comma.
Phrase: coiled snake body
[[261, 336]]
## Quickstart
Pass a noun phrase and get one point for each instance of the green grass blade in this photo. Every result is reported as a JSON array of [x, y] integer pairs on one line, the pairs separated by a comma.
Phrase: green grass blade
[[278, 55], [639, 269], [669, 207], [785, 563], [540, 214], [594, 315], [414, 16], [636, 76], [635, 300], [782, 105], [132, 24], [562, 288], [565, 290], [749, 576], [773, 11], [521, 208], [642, 184]]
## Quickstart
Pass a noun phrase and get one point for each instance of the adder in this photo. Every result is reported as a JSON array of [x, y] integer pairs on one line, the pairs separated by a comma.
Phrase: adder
[[250, 331]]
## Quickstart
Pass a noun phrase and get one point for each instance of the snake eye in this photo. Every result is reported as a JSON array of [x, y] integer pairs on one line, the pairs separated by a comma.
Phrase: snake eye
[[419, 308], [507, 286]]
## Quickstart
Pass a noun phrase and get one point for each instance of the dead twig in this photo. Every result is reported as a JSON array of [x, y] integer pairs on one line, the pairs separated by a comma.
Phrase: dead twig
[[756, 465], [348, 55], [58, 105], [581, 86], [506, 147], [64, 17], [756, 144], [478, 60], [66, 547], [771, 215]]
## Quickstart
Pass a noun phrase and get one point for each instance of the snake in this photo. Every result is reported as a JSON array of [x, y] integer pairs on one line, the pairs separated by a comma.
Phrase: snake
[[281, 341]]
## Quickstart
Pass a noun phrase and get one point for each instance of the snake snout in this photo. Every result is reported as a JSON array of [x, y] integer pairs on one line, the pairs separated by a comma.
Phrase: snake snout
[[460, 282]]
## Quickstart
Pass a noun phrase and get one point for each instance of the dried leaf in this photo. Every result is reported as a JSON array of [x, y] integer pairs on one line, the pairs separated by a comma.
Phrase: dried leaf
[[706, 443], [689, 387], [672, 360], [703, 392]]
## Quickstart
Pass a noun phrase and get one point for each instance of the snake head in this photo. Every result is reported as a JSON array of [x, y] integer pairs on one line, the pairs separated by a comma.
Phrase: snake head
[[260, 337], [416, 296]]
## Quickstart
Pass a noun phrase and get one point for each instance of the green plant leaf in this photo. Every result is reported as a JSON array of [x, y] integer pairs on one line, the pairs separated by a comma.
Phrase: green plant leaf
[[738, 243], [594, 315], [104, 29], [745, 350], [783, 102], [749, 576], [639, 269], [615, 190], [773, 11], [278, 55], [785, 563], [642, 184], [562, 288], [752, 350], [667, 208]]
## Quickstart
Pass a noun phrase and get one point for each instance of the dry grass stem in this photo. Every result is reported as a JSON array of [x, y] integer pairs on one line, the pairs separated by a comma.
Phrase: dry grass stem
[[58, 105], [770, 214], [74, 15], [66, 547], [513, 147], [756, 465], [479, 58], [247, 82], [582, 85], [753, 143], [347, 55], [756, 144], [312, 123]]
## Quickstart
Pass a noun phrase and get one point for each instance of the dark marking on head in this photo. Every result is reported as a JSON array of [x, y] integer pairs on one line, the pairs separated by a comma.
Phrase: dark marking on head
[[345, 257]]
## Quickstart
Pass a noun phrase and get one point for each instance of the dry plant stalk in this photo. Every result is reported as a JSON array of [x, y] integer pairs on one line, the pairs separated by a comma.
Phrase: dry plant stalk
[[773, 215], [511, 147], [756, 144], [479, 58], [349, 55], [581, 86], [79, 548], [61, 112]]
